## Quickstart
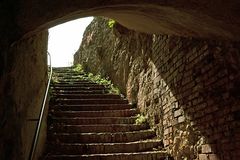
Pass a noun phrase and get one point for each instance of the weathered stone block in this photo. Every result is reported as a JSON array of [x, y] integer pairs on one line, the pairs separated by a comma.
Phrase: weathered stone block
[[208, 148], [203, 157], [177, 113]]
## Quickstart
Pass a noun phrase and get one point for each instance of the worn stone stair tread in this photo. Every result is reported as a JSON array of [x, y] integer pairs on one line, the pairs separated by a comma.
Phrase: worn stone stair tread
[[87, 96], [71, 76], [63, 69], [71, 90], [105, 113], [92, 107], [76, 79], [117, 143], [91, 101], [73, 81], [147, 155], [74, 94], [94, 120], [72, 84], [104, 137], [80, 92], [75, 84], [61, 82], [97, 148], [67, 73], [96, 128], [105, 133], [80, 88]]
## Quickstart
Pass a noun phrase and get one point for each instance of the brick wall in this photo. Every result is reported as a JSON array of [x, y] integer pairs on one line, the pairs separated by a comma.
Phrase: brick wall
[[200, 96], [188, 88]]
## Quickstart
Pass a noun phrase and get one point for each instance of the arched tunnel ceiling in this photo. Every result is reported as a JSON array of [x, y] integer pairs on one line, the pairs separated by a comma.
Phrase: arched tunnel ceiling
[[215, 19]]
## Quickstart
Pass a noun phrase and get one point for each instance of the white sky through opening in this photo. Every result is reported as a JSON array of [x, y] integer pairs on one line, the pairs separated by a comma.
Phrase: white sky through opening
[[64, 40]]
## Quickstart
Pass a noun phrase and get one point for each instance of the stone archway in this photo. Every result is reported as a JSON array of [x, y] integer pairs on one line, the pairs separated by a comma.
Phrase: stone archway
[[180, 17]]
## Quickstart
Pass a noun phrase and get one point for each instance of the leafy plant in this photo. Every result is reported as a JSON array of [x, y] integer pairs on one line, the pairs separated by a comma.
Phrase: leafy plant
[[54, 79], [103, 81], [78, 68], [114, 89], [111, 23], [141, 119]]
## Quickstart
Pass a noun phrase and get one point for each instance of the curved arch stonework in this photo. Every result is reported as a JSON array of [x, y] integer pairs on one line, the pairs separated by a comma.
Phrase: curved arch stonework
[[179, 17]]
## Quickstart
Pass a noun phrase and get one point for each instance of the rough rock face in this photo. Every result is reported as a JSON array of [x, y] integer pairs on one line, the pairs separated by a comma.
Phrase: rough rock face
[[188, 88], [22, 84]]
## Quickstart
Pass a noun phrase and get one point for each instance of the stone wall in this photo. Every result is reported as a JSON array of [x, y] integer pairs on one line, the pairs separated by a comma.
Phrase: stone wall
[[188, 88], [22, 82]]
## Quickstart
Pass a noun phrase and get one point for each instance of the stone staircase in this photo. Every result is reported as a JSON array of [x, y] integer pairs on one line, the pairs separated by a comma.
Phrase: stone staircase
[[86, 122]]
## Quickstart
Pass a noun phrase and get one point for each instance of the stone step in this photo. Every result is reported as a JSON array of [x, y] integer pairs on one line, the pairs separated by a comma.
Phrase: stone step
[[106, 113], [106, 137], [90, 101], [69, 75], [72, 78], [148, 155], [87, 96], [79, 92], [93, 120], [59, 73], [76, 85], [93, 107], [73, 81], [80, 88], [64, 69], [97, 128], [103, 148]]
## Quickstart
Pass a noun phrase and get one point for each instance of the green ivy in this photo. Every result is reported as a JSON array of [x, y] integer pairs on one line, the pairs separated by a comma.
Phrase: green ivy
[[111, 23], [78, 68], [141, 119], [97, 79], [103, 81]]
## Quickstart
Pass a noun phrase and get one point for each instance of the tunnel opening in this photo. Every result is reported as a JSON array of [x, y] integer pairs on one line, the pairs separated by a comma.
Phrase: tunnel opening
[[64, 41]]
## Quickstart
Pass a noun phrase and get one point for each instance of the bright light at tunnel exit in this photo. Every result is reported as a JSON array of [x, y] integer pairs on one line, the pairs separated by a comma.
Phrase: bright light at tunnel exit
[[64, 40]]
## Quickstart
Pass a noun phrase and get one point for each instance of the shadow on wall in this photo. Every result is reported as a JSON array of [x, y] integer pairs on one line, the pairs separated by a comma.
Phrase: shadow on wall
[[22, 89], [189, 88], [199, 82]]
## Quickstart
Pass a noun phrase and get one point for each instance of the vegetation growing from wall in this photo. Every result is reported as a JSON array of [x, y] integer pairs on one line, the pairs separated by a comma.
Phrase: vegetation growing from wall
[[111, 23], [96, 79], [141, 119], [78, 68]]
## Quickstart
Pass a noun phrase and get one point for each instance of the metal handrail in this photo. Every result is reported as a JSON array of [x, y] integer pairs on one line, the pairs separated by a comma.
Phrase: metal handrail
[[37, 131]]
